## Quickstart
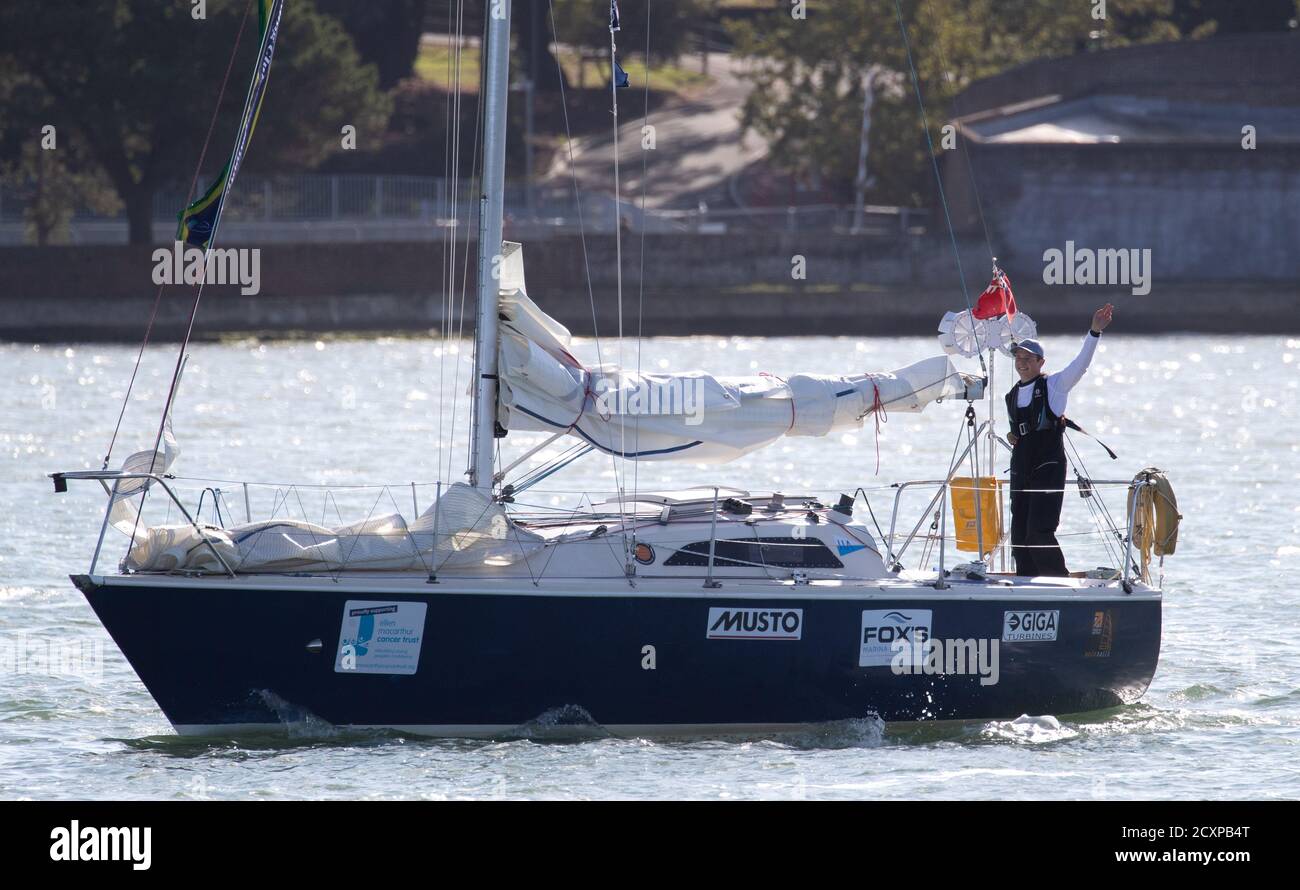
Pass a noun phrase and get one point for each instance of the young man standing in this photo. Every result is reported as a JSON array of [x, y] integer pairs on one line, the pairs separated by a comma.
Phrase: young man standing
[[1036, 410]]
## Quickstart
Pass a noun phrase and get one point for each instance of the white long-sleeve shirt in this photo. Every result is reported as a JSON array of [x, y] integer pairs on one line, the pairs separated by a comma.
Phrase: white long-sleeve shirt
[[1060, 383]]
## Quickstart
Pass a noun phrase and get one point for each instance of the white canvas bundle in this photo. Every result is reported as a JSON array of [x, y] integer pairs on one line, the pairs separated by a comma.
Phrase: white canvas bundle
[[685, 415], [463, 530]]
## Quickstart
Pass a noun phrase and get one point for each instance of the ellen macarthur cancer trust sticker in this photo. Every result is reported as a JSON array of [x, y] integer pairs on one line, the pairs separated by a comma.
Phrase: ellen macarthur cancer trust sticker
[[380, 638]]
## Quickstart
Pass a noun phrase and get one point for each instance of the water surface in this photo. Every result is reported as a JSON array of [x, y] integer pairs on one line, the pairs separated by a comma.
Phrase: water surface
[[1221, 720]]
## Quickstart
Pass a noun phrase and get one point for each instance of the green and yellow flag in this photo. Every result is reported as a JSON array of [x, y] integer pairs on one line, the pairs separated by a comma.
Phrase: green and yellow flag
[[198, 222]]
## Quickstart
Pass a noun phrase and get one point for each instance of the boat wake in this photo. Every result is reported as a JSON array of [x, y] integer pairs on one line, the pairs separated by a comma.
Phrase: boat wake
[[1027, 730], [861, 732], [295, 721], [567, 723]]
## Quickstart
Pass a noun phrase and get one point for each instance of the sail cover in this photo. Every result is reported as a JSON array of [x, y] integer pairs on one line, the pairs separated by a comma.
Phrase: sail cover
[[464, 530], [688, 415]]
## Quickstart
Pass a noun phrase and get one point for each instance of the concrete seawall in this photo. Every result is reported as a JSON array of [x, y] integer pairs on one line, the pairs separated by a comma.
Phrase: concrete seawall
[[738, 284]]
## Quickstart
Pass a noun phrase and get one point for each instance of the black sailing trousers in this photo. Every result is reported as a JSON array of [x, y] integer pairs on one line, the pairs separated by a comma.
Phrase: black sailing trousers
[[1036, 514]]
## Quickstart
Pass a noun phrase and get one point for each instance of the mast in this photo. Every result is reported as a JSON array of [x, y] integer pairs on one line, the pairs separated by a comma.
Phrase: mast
[[495, 90]]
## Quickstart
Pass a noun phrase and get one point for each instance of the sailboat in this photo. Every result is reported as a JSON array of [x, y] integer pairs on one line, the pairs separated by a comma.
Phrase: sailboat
[[703, 611]]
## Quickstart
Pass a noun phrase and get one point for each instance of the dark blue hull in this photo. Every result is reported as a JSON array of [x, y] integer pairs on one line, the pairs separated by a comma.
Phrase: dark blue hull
[[242, 657]]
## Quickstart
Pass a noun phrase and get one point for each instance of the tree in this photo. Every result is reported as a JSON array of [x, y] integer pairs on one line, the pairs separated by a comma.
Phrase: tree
[[49, 174], [531, 22], [386, 35], [807, 98], [585, 24], [1236, 17], [808, 73], [134, 85], [53, 185]]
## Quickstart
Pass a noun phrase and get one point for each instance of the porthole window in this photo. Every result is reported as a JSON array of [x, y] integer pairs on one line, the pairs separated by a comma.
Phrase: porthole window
[[788, 553]]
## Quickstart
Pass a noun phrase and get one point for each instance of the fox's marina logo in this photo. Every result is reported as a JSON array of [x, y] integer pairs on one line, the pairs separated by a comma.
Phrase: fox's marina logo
[[882, 628], [78, 843], [190, 265]]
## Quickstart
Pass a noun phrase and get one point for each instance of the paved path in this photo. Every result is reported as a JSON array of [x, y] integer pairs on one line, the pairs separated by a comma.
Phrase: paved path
[[698, 144]]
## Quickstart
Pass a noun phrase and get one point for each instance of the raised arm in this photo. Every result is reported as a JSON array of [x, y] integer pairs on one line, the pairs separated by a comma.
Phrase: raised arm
[[1067, 377]]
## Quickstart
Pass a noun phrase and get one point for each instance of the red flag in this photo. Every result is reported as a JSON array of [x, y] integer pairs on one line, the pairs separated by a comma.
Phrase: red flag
[[997, 299]]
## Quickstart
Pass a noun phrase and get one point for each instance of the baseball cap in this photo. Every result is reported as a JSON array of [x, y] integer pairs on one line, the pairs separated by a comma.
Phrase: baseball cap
[[1030, 346]]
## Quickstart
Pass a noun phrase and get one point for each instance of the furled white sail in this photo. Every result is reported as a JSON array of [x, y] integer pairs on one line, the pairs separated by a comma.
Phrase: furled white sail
[[127, 495], [464, 530], [689, 415]]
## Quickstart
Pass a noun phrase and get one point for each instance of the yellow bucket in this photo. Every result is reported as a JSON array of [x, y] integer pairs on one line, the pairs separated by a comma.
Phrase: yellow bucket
[[964, 516]]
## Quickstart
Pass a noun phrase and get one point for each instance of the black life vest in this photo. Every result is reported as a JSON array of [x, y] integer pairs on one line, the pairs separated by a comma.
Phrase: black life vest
[[1040, 433], [1037, 417]]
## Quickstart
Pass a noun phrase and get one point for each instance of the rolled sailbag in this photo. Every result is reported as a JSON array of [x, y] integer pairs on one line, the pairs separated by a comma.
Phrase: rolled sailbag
[[690, 415]]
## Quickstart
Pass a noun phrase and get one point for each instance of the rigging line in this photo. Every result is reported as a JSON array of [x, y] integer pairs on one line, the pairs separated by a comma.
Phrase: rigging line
[[934, 161], [457, 188], [926, 548], [1081, 469], [198, 296], [1100, 500], [574, 515], [573, 174], [618, 273], [558, 465], [965, 150], [527, 477], [198, 168], [316, 542], [952, 460], [524, 554], [456, 30], [410, 536], [445, 273], [1100, 510], [577, 198], [866, 500], [640, 289], [451, 536], [475, 179], [475, 185]]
